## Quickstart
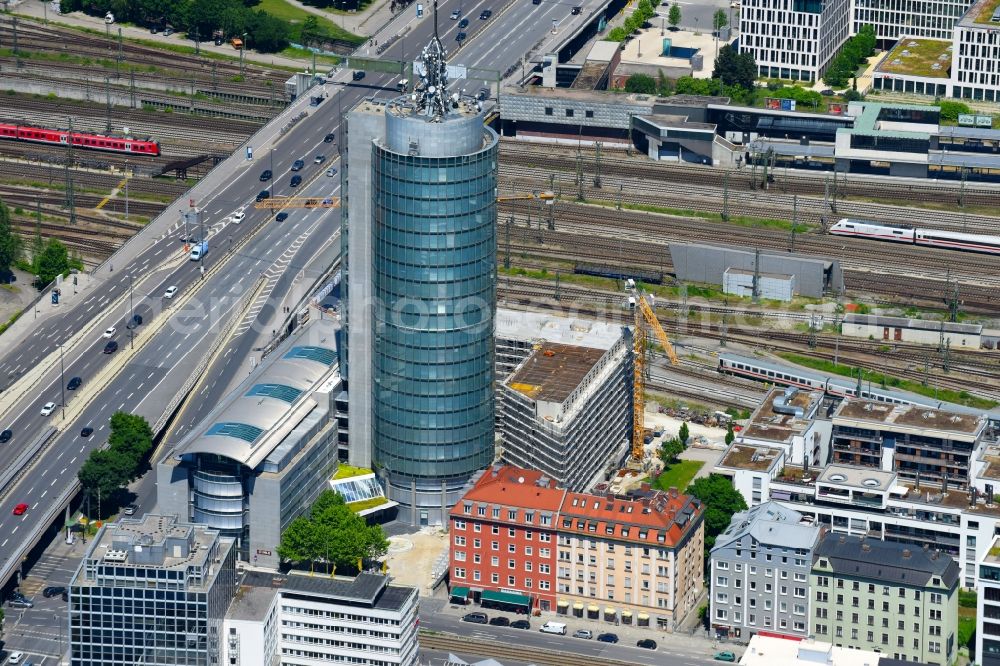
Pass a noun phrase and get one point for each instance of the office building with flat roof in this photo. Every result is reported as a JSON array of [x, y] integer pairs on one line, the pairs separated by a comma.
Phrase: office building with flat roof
[[988, 606], [567, 411], [297, 619], [151, 590]]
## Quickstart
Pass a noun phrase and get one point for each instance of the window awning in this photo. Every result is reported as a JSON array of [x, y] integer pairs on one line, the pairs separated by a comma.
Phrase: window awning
[[460, 592], [506, 598]]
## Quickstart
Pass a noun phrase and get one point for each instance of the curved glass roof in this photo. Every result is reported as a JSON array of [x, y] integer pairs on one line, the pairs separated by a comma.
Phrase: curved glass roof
[[319, 354], [244, 431], [279, 391]]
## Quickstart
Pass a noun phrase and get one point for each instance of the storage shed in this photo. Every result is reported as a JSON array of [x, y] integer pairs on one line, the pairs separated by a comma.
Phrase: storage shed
[[923, 331]]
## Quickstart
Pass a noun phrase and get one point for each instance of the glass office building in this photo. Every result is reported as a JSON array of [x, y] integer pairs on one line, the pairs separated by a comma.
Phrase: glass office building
[[151, 591], [434, 288]]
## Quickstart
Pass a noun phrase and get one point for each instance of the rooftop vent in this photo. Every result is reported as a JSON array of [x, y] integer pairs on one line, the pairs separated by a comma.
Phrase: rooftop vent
[[906, 552]]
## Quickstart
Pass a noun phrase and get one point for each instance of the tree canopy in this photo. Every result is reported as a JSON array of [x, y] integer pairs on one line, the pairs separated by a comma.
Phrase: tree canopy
[[721, 501], [845, 64], [10, 242], [107, 471], [950, 110], [50, 260], [332, 534], [735, 69], [719, 19], [670, 450], [674, 15], [641, 83]]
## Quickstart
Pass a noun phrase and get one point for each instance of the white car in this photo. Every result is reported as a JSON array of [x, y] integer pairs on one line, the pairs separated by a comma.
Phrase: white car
[[48, 408], [15, 658], [110, 333], [169, 293], [237, 217]]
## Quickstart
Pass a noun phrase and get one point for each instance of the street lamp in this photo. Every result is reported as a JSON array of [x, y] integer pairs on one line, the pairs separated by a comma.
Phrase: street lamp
[[242, 49]]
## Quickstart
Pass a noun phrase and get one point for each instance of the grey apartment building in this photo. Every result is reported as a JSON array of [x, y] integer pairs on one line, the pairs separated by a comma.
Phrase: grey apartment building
[[151, 591], [760, 573]]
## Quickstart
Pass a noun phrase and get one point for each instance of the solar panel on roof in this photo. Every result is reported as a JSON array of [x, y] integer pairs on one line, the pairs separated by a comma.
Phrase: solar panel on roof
[[279, 391], [318, 354], [244, 431]]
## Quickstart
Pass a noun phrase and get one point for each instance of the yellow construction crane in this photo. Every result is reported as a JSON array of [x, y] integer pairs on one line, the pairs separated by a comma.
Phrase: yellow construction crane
[[643, 315], [334, 202]]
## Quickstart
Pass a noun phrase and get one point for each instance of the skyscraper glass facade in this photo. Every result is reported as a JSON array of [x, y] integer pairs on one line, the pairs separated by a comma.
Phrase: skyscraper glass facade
[[434, 275]]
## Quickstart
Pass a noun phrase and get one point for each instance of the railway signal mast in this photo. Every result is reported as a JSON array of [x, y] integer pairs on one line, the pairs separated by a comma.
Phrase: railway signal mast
[[644, 316]]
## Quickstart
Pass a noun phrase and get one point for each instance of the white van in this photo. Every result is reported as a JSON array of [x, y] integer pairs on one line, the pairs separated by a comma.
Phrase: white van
[[401, 85], [553, 628]]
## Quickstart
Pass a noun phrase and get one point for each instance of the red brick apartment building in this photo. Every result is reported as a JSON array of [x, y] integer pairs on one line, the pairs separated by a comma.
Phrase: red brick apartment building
[[515, 535]]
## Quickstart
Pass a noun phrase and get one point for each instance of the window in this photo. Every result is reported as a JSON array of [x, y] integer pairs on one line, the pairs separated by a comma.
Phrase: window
[[511, 548], [544, 537], [722, 566], [459, 572], [495, 545], [477, 527], [459, 540], [477, 543], [821, 629], [722, 597], [496, 512], [495, 578], [738, 567], [527, 566], [722, 581], [528, 550], [569, 113], [495, 561], [543, 568], [511, 581], [511, 532], [459, 524], [588, 113], [511, 514], [721, 614], [496, 529], [477, 558], [544, 552], [548, 110], [476, 576], [511, 564], [460, 555], [543, 585], [527, 583]]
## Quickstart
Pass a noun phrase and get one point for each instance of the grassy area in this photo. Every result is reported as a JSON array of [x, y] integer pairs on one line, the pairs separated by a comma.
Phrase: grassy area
[[345, 471], [987, 12], [966, 631], [297, 16], [917, 57], [678, 475], [948, 395], [762, 223], [363, 505]]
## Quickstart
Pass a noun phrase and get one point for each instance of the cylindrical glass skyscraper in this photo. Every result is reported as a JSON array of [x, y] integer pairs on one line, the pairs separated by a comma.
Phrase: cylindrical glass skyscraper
[[434, 277]]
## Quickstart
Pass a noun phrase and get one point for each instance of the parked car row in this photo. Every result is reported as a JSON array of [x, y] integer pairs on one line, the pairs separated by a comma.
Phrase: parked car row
[[552, 627]]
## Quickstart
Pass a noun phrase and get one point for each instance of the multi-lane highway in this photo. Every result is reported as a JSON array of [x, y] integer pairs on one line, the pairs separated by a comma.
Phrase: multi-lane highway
[[187, 332]]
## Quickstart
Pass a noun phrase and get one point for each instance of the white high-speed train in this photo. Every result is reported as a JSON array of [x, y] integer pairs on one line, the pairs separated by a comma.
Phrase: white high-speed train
[[949, 240]]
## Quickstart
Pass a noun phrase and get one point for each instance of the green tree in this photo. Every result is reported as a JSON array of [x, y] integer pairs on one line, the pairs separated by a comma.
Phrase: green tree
[[641, 83], [10, 242], [616, 35], [684, 434], [132, 437], [949, 111], [733, 68], [719, 20], [53, 260], [300, 542], [104, 473], [670, 450], [270, 34], [721, 500], [309, 30], [730, 435], [674, 15]]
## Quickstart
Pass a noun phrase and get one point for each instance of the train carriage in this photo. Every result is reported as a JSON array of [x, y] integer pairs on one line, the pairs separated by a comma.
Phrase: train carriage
[[85, 140], [947, 240]]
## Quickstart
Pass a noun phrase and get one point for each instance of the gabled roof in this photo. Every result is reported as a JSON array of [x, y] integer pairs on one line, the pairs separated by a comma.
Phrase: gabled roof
[[885, 561], [770, 523]]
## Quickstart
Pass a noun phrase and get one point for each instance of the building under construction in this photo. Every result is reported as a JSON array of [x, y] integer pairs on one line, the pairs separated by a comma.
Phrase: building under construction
[[567, 411]]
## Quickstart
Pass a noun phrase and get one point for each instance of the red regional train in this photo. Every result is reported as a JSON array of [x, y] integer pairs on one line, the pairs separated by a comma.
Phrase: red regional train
[[114, 144]]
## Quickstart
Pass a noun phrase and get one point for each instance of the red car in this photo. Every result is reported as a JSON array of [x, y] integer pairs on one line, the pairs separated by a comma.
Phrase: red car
[[20, 509]]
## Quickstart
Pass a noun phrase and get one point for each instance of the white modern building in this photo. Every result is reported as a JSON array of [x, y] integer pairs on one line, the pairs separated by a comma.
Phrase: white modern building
[[988, 606], [302, 620], [793, 39], [975, 72], [773, 651], [894, 19]]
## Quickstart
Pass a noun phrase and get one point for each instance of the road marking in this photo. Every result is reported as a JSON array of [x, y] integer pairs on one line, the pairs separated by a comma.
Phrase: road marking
[[35, 505], [15, 529], [82, 448], [63, 470], [53, 483], [4, 543], [151, 375], [130, 395], [45, 493], [74, 459], [101, 428]]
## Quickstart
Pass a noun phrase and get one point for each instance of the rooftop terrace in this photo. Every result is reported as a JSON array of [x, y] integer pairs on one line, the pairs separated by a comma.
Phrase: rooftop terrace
[[911, 416], [983, 13], [919, 57], [747, 456], [767, 424]]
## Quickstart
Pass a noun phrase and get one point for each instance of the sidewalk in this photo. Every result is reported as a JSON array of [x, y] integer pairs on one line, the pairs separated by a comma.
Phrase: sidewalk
[[365, 23], [679, 643]]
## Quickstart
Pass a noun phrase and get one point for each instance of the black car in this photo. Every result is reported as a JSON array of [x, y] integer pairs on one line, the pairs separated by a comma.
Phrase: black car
[[485, 14], [358, 75], [218, 41], [608, 638], [520, 624], [296, 180], [464, 23], [263, 194], [153, 30], [500, 621], [298, 164], [134, 322], [168, 31], [5, 436], [111, 347], [536, 2], [266, 175], [281, 217], [86, 432], [460, 37], [476, 618], [53, 591], [483, 94], [647, 643], [329, 138], [74, 384], [576, 10]]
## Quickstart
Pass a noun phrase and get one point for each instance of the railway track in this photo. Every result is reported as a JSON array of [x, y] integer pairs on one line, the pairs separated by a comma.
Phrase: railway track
[[42, 175], [848, 185], [28, 198], [974, 372]]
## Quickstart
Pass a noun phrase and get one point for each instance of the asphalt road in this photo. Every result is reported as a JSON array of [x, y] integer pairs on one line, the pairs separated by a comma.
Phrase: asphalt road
[[145, 384]]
